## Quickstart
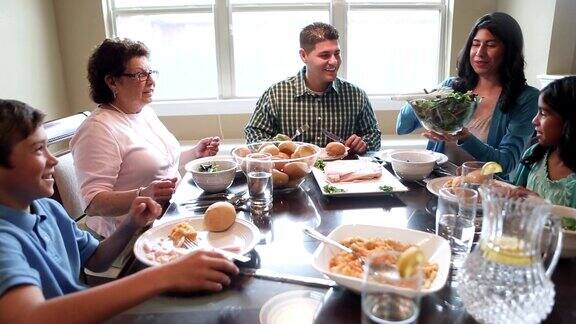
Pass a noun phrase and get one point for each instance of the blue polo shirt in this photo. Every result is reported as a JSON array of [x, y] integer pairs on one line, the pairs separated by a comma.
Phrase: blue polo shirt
[[44, 248]]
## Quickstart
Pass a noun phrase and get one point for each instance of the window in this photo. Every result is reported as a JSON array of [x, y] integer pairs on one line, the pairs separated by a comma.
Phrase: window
[[222, 50]]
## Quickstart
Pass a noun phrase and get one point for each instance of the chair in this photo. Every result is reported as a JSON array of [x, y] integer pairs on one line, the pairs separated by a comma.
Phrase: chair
[[66, 189]]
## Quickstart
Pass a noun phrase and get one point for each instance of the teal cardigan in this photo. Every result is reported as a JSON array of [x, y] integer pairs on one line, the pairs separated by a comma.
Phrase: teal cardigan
[[508, 136]]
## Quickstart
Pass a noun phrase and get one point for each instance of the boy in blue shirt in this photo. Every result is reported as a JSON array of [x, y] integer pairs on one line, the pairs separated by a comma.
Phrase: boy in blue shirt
[[42, 250]]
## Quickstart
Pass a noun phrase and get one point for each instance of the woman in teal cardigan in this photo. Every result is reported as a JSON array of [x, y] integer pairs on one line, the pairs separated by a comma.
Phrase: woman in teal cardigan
[[549, 167], [491, 64]]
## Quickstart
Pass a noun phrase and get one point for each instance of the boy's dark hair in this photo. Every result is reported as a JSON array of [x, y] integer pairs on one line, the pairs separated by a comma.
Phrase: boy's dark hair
[[110, 58], [560, 96], [507, 30], [315, 33], [17, 122]]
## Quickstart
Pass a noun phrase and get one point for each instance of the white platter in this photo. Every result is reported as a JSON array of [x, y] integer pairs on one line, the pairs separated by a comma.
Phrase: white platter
[[241, 234], [361, 187], [440, 158], [435, 248]]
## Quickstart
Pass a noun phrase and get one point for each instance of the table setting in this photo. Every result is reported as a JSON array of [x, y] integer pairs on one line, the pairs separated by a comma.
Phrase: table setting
[[285, 269]]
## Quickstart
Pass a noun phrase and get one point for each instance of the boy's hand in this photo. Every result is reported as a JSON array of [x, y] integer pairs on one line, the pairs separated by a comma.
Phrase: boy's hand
[[201, 270], [143, 211]]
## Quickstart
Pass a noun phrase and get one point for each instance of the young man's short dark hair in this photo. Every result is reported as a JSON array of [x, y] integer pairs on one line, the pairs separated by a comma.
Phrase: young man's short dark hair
[[315, 33], [17, 122]]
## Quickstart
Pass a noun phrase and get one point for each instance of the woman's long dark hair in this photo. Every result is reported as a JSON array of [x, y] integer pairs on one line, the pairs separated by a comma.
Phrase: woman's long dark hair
[[560, 96], [512, 77]]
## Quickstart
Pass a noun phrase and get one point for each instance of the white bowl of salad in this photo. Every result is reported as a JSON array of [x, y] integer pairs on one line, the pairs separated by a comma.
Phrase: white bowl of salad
[[214, 173]]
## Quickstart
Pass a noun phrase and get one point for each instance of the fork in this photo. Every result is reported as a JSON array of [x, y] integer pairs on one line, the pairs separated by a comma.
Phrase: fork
[[315, 234], [190, 244], [300, 130], [212, 197]]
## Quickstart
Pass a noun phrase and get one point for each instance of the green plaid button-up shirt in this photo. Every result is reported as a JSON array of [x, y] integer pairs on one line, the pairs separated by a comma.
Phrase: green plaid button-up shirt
[[342, 109]]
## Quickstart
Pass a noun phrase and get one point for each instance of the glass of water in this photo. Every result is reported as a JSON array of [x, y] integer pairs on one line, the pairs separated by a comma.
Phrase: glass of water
[[472, 176], [455, 220], [386, 296], [259, 176]]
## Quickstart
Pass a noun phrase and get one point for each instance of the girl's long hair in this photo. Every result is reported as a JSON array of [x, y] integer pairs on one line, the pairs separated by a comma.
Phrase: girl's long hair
[[511, 70], [560, 96]]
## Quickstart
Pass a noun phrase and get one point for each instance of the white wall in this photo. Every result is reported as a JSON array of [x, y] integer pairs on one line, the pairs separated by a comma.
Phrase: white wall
[[536, 18], [563, 39], [30, 60]]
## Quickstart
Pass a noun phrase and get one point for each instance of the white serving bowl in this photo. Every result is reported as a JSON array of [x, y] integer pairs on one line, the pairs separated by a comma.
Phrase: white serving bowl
[[213, 181], [412, 165], [435, 248]]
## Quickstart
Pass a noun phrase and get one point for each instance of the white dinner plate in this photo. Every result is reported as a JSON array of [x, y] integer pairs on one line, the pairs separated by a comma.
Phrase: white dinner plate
[[241, 234], [569, 237], [297, 306], [385, 155], [435, 248], [362, 187], [434, 185]]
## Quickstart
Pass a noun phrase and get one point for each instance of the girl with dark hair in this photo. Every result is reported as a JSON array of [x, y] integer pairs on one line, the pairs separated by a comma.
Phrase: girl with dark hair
[[548, 168], [491, 65]]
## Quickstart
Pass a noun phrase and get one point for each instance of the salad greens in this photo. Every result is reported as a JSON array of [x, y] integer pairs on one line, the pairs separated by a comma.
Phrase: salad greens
[[331, 189], [320, 164], [209, 168], [569, 223], [445, 111], [385, 188]]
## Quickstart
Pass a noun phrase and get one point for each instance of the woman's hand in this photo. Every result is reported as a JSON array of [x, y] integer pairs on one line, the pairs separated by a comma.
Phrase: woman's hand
[[445, 137], [143, 211], [207, 147], [202, 270], [160, 190]]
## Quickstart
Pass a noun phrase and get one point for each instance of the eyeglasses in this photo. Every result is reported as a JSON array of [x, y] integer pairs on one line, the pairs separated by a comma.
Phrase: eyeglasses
[[142, 76]]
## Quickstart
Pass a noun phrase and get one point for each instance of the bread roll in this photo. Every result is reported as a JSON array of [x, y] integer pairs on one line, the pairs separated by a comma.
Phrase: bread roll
[[296, 170], [242, 151], [303, 151], [287, 148], [279, 178], [335, 149], [270, 149], [219, 216]]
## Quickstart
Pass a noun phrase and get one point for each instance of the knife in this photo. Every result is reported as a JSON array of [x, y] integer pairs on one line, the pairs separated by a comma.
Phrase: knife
[[332, 136], [283, 277]]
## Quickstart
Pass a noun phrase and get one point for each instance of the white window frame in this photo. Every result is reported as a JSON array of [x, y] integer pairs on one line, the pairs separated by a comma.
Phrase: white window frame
[[226, 102]]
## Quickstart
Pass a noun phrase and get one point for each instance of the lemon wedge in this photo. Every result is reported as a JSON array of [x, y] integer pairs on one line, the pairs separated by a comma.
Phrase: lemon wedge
[[507, 250], [491, 168], [409, 260]]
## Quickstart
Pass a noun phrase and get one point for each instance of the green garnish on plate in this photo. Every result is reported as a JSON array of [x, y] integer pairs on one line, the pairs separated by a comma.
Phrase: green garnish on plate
[[569, 223], [331, 189], [385, 188], [320, 164]]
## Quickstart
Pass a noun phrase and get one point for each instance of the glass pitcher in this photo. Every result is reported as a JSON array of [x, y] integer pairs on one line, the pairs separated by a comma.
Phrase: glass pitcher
[[503, 280]]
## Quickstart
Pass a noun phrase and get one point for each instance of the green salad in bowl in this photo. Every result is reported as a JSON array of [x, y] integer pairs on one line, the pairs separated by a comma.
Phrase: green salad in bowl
[[445, 111]]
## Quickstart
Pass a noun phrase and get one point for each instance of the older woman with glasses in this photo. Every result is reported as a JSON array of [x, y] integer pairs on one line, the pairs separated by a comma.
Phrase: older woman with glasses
[[123, 150]]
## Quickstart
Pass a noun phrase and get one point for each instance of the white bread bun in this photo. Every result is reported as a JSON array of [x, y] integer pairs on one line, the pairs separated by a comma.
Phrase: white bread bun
[[219, 216], [335, 149]]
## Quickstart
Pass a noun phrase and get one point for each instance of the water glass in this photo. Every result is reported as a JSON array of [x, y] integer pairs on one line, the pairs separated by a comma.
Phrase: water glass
[[455, 216], [386, 296], [259, 177], [472, 176]]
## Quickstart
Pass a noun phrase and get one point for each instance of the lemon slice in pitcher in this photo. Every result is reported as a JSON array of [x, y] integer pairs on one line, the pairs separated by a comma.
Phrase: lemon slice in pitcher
[[491, 168], [507, 250], [409, 260]]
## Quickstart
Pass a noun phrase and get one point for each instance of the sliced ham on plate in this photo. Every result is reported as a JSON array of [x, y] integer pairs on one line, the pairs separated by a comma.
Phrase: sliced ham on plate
[[352, 170]]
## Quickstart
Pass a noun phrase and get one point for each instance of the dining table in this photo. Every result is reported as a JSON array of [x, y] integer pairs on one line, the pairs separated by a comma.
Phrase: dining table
[[283, 248]]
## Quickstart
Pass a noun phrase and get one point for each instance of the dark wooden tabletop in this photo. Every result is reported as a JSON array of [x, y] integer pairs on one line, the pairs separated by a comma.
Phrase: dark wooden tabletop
[[284, 248]]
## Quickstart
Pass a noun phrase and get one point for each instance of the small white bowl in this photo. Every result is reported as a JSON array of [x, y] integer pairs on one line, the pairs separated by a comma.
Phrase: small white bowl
[[213, 181], [412, 165]]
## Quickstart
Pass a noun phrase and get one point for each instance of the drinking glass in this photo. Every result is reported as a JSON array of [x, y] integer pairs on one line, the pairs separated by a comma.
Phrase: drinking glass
[[259, 177], [472, 176], [455, 220], [386, 296]]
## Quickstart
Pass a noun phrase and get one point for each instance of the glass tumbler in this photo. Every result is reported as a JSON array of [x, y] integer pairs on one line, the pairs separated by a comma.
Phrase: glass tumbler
[[386, 296], [259, 177]]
